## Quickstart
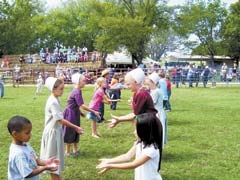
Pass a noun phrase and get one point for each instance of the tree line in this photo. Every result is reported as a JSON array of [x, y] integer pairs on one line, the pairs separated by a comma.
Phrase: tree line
[[143, 27]]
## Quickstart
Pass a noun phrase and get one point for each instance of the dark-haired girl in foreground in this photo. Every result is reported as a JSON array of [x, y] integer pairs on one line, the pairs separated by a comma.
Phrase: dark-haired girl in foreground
[[147, 150]]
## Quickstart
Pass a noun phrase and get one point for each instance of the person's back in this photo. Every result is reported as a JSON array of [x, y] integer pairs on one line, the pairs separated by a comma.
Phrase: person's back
[[162, 85], [1, 86]]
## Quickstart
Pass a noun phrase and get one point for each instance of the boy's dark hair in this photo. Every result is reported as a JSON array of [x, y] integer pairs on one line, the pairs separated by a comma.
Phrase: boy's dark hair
[[149, 130], [17, 123]]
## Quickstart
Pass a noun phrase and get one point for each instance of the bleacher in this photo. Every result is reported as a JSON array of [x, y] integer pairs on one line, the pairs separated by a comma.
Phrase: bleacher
[[30, 71]]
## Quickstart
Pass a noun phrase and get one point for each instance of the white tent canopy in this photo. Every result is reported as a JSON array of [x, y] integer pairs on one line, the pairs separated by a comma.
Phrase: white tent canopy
[[118, 58], [148, 60], [125, 58]]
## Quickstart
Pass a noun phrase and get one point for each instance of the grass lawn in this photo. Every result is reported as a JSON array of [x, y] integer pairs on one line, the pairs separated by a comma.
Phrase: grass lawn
[[203, 134]]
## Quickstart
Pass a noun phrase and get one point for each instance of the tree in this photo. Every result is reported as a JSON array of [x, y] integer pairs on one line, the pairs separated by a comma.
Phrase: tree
[[231, 32], [205, 21], [16, 21]]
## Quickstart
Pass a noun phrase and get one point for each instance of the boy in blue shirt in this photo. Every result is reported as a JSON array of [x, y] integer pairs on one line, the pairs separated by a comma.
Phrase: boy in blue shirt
[[23, 164]]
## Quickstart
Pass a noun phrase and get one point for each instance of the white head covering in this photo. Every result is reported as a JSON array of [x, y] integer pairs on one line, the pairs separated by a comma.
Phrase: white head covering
[[154, 77], [138, 75], [76, 77], [49, 83]]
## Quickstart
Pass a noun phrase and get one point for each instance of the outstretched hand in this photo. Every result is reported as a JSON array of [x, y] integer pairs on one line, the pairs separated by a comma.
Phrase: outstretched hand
[[98, 114], [113, 122], [103, 166], [80, 130], [52, 164]]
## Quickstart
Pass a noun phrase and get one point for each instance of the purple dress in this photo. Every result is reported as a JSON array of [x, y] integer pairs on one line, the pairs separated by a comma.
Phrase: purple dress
[[72, 114]]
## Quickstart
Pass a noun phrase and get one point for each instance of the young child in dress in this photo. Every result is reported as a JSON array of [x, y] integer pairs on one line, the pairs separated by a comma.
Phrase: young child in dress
[[147, 150], [23, 162], [98, 98], [157, 96], [52, 139], [106, 75], [39, 85], [72, 114]]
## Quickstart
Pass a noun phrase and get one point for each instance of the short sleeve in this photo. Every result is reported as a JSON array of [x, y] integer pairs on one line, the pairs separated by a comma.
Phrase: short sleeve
[[150, 151]]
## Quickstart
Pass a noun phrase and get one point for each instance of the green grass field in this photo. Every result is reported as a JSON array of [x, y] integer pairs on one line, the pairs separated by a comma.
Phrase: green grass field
[[203, 138]]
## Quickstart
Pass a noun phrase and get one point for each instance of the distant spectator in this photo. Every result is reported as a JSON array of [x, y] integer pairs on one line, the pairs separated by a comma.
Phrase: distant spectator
[[169, 92], [229, 77], [84, 50], [6, 61], [58, 70], [17, 76], [21, 59], [223, 72], [39, 85], [42, 53], [94, 57], [214, 77], [29, 59], [205, 76]]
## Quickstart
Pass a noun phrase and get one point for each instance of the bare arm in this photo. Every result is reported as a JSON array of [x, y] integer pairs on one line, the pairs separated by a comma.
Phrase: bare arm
[[117, 119], [118, 163], [83, 106], [68, 124], [50, 164], [107, 100], [122, 158]]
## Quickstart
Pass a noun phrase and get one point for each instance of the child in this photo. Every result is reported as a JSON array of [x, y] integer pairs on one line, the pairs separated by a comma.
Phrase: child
[[52, 139], [115, 90], [39, 85], [105, 75], [98, 98], [23, 162], [157, 96], [72, 114], [147, 150]]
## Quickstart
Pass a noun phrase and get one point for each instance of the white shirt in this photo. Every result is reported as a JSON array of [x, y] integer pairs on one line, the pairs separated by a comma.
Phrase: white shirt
[[148, 170]]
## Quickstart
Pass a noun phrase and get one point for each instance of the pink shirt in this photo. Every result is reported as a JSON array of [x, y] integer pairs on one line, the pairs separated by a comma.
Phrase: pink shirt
[[97, 99]]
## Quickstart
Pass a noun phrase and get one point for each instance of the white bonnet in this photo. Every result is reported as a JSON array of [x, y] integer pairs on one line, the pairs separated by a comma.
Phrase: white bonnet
[[49, 83], [138, 75], [76, 77], [154, 77]]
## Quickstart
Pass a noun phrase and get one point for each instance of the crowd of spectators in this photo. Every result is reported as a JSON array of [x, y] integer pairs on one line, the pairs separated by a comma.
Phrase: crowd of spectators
[[194, 74], [69, 54]]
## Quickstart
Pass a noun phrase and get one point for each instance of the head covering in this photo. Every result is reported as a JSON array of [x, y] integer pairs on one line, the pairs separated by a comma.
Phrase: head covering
[[154, 77], [105, 72], [138, 75], [76, 77], [49, 83]]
